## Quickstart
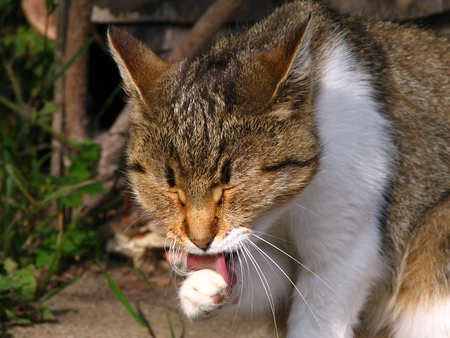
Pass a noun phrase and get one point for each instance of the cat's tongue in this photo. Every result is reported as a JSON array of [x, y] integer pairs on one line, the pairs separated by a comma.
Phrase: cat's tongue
[[213, 262]]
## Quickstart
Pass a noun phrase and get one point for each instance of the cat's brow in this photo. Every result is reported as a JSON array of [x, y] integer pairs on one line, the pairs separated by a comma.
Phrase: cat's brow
[[291, 162]]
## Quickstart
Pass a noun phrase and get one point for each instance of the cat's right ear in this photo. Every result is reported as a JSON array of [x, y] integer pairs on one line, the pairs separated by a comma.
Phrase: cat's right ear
[[138, 65]]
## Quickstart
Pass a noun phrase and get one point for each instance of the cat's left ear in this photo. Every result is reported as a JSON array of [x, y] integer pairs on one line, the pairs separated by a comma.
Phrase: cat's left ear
[[292, 53], [138, 65]]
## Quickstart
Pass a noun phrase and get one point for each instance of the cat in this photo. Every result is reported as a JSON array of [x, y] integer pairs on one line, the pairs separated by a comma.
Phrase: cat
[[304, 168]]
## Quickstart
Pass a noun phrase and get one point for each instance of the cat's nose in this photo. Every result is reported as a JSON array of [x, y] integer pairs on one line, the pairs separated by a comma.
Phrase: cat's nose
[[203, 244]]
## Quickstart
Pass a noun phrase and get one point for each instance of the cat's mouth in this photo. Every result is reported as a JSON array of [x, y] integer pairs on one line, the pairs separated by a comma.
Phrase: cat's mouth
[[220, 263]]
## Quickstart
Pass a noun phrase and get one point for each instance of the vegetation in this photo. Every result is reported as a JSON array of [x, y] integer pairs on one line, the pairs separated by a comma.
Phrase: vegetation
[[42, 227]]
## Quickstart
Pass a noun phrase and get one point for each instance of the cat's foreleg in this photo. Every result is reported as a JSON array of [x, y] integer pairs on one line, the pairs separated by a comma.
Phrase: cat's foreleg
[[203, 294], [328, 301]]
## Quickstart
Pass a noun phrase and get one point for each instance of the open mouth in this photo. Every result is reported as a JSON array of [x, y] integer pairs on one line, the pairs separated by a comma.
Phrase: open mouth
[[220, 263]]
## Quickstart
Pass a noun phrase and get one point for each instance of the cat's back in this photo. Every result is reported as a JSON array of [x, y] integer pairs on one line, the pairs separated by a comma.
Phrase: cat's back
[[417, 66], [417, 92]]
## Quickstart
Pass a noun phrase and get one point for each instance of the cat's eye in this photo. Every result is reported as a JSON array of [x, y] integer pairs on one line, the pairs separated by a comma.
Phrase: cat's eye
[[137, 167], [170, 177], [225, 173]]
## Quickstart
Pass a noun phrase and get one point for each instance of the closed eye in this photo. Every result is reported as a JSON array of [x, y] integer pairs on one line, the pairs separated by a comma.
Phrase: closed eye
[[225, 173], [137, 167], [170, 177], [291, 162]]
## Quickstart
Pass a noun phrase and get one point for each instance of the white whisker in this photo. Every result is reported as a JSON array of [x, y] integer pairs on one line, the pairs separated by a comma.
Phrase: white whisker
[[275, 237], [300, 263], [265, 285], [242, 282], [145, 213], [251, 280], [310, 211], [288, 278]]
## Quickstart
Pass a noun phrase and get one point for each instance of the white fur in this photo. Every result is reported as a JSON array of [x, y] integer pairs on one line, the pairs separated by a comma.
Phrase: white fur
[[332, 227], [337, 226], [425, 321]]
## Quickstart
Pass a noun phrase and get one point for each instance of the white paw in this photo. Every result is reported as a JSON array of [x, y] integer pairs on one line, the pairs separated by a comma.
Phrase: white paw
[[203, 293]]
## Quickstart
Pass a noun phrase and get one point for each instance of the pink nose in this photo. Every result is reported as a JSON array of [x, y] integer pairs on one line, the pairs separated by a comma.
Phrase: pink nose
[[202, 243]]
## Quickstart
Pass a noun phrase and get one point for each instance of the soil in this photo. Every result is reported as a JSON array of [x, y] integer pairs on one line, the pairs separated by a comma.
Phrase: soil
[[90, 309]]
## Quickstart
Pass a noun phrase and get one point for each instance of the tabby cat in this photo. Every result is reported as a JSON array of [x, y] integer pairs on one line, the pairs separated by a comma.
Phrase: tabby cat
[[304, 168]]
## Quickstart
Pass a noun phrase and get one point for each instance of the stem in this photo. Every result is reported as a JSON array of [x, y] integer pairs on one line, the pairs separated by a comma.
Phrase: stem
[[18, 109]]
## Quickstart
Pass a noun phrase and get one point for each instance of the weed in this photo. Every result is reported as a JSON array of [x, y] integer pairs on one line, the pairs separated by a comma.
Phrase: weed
[[42, 224]]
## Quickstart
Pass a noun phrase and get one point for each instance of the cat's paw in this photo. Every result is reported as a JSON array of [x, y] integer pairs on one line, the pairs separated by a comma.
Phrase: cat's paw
[[203, 293]]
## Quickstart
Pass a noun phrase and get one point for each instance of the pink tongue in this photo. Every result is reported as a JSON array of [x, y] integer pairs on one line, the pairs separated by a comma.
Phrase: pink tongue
[[213, 262]]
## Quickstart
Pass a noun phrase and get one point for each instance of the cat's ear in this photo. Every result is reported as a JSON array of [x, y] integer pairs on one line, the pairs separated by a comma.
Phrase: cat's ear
[[138, 65], [292, 52]]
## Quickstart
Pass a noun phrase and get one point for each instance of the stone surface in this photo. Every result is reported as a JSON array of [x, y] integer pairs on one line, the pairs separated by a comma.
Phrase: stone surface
[[90, 309]]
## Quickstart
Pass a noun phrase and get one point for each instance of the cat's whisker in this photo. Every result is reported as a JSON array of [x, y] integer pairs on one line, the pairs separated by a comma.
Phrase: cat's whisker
[[265, 285], [242, 280], [177, 256], [305, 208], [250, 277], [145, 213], [289, 279], [275, 237], [299, 263], [122, 172]]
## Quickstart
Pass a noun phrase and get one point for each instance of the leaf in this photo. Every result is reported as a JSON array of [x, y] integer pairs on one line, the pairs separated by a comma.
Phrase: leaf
[[74, 200], [46, 314], [25, 282], [93, 188], [44, 256], [79, 242], [9, 265], [48, 109], [91, 151], [79, 170], [6, 283]]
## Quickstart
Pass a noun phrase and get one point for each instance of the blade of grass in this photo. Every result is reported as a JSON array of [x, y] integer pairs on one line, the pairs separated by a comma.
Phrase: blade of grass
[[166, 313], [16, 176], [161, 303], [18, 109], [119, 294], [72, 60], [57, 290], [106, 105]]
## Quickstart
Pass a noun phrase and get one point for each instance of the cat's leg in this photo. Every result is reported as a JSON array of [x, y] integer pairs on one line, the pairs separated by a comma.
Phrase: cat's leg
[[422, 307], [328, 301], [262, 286]]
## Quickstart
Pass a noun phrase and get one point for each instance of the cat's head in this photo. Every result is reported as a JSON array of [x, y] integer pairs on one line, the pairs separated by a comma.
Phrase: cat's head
[[218, 142]]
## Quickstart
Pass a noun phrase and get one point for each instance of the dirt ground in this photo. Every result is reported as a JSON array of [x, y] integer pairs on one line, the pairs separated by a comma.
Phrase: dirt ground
[[90, 309]]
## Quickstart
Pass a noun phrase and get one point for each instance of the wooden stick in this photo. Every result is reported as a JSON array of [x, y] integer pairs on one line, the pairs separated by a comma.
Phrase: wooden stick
[[75, 89], [205, 27]]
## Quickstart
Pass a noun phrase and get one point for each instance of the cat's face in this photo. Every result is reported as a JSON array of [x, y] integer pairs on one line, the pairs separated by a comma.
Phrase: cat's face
[[215, 145], [207, 168]]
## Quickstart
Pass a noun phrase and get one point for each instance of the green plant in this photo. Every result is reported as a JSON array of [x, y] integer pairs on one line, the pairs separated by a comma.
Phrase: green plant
[[42, 224]]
